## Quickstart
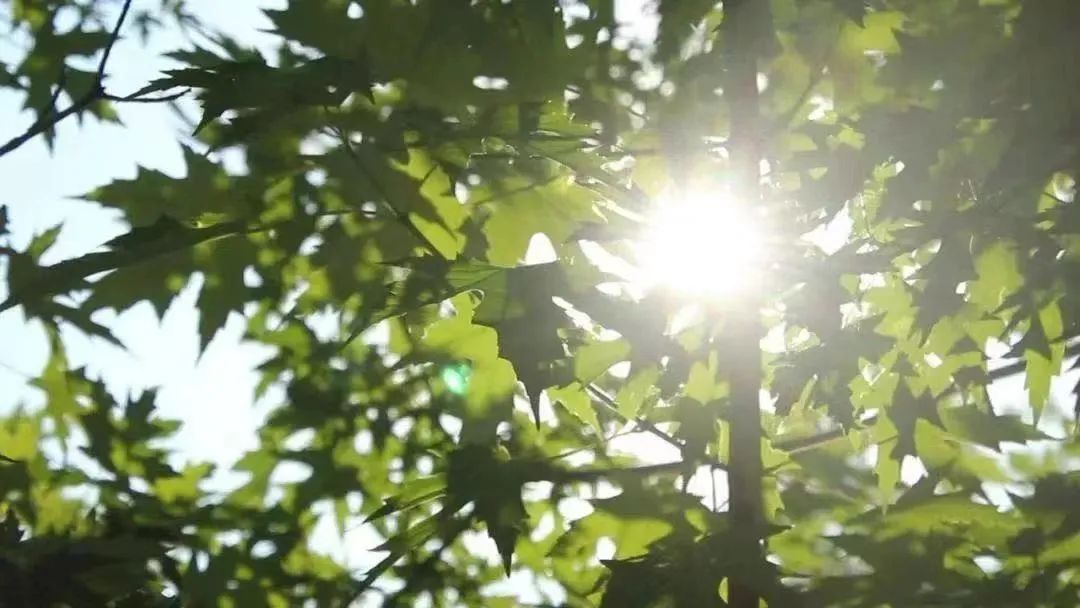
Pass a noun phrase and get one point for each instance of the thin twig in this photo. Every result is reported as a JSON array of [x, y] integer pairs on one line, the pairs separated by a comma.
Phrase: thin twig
[[519, 190], [40, 127], [563, 475], [715, 502], [113, 37], [136, 99], [815, 79], [1057, 198], [51, 107], [49, 120], [632, 197], [642, 423], [402, 218], [16, 371], [608, 439]]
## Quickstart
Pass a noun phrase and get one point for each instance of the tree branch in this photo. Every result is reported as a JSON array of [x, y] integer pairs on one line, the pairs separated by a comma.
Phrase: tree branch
[[50, 119], [67, 274], [556, 475], [802, 444], [113, 37], [136, 99], [643, 424]]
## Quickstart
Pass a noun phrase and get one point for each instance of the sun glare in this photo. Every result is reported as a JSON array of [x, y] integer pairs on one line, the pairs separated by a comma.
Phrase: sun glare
[[701, 244]]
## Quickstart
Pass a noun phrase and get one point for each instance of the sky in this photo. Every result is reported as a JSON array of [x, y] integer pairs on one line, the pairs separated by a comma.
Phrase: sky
[[211, 393]]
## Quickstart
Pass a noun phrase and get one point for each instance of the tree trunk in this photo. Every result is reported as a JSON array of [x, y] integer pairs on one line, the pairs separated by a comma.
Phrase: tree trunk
[[746, 28]]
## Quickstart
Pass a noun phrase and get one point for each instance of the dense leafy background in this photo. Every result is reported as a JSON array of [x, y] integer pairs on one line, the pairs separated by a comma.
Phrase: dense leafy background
[[364, 197]]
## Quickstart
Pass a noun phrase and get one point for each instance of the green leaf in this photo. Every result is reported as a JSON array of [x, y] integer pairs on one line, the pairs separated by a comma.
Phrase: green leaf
[[999, 277], [321, 24], [205, 193], [678, 18], [527, 322], [576, 401], [162, 254], [517, 209], [595, 358], [854, 10], [988, 428], [5, 222], [939, 513], [252, 84], [414, 494], [1043, 352], [412, 538], [482, 475], [635, 392]]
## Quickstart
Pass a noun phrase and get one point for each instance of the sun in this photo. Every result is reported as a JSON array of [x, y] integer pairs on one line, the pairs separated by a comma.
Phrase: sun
[[701, 244]]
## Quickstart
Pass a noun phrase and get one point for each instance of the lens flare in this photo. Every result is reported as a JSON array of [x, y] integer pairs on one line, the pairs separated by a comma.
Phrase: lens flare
[[456, 378], [701, 244]]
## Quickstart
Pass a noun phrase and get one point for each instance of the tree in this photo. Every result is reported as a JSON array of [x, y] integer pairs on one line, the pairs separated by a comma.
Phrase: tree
[[400, 159]]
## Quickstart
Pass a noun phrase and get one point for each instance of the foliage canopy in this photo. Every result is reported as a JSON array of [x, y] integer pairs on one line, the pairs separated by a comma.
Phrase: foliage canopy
[[365, 196]]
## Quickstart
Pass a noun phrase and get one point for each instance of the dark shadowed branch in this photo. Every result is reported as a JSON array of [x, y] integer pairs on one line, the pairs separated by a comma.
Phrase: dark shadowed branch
[[50, 117]]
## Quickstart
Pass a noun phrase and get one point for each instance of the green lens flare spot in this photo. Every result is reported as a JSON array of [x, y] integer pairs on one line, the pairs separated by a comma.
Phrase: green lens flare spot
[[456, 378]]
